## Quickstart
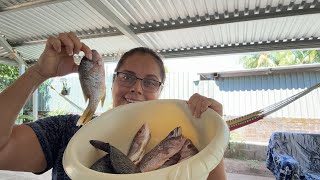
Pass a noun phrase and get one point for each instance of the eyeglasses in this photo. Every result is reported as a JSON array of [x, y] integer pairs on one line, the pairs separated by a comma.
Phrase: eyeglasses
[[128, 80]]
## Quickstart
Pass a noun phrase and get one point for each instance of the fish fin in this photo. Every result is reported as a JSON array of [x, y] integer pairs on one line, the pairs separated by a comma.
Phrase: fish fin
[[86, 117], [103, 98], [174, 133], [89, 117], [85, 98], [140, 157]]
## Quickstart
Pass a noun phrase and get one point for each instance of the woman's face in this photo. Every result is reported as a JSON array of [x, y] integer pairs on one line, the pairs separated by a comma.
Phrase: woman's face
[[142, 66]]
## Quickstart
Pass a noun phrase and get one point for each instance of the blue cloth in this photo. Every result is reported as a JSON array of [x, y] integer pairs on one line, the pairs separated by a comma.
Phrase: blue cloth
[[54, 133], [294, 156]]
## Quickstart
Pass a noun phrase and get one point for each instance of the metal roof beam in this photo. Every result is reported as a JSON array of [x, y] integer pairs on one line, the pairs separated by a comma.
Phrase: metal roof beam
[[109, 14], [4, 43], [105, 32], [27, 5], [241, 48], [9, 62], [234, 49], [226, 18]]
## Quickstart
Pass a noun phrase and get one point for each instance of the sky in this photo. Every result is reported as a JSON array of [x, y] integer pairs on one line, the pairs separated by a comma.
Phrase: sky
[[203, 64], [200, 64]]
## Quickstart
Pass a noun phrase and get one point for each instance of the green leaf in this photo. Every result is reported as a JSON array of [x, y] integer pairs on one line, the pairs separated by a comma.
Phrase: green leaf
[[281, 58], [26, 117], [8, 74]]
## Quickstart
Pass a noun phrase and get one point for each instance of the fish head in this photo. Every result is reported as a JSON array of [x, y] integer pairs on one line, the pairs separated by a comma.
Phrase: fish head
[[144, 131], [188, 150], [96, 58], [174, 142], [139, 143], [189, 147]]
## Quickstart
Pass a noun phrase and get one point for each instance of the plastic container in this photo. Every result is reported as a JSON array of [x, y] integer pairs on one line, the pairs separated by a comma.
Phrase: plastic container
[[210, 134]]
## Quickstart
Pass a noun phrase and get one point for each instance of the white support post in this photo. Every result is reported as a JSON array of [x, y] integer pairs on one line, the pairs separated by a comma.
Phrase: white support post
[[35, 104], [22, 69]]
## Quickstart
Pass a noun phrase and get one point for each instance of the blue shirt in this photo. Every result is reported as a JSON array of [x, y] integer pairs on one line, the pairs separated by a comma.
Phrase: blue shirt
[[54, 133]]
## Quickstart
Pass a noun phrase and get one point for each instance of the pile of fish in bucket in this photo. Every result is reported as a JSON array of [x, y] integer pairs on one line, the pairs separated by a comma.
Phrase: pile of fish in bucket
[[171, 150]]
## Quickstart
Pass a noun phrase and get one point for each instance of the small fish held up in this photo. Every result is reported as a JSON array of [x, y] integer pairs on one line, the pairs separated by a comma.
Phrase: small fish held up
[[92, 80]]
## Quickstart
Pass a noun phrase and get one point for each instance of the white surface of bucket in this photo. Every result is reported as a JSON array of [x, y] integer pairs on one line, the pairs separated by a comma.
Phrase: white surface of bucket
[[209, 133]]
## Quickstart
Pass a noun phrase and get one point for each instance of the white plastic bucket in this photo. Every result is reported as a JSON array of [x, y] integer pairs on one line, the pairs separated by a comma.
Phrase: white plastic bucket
[[210, 134]]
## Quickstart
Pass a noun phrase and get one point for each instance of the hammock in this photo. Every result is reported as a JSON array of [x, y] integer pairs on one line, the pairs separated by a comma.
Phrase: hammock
[[260, 114], [246, 119]]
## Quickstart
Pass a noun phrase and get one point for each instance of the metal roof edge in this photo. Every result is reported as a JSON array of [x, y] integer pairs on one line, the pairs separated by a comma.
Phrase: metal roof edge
[[260, 71]]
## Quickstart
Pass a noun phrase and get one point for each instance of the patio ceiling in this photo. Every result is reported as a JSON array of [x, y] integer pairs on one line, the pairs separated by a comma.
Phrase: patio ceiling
[[175, 28]]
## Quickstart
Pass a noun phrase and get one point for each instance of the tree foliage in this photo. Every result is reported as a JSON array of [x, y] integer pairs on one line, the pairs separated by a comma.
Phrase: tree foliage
[[8, 74], [283, 58]]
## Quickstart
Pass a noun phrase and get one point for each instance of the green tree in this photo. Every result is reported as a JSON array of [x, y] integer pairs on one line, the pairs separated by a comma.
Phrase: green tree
[[8, 74], [281, 58]]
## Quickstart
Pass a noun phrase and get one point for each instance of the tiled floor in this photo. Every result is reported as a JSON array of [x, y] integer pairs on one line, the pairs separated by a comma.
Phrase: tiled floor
[[11, 175]]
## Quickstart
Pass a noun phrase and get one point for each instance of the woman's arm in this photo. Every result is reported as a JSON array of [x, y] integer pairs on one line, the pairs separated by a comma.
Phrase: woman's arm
[[218, 173], [19, 147], [199, 104], [13, 99], [19, 143]]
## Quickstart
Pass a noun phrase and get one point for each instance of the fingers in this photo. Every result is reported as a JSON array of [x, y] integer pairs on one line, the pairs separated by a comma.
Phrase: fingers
[[199, 104], [76, 42], [195, 105], [54, 43], [215, 105], [86, 50], [70, 43], [67, 42]]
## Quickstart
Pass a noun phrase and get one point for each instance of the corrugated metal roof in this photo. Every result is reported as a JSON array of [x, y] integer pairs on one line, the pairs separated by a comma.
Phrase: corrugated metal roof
[[236, 33], [108, 46], [39, 22], [175, 28]]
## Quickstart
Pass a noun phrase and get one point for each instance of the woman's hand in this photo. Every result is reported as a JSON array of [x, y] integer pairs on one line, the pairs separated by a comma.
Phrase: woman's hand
[[199, 104], [57, 57]]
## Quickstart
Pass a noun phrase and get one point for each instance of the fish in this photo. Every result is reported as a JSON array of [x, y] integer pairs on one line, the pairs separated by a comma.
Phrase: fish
[[92, 80], [188, 150], [139, 143], [162, 152], [119, 162], [103, 165], [172, 160], [174, 133]]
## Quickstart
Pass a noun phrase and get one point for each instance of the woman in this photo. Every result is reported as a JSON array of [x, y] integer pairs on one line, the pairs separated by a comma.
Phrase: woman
[[39, 146]]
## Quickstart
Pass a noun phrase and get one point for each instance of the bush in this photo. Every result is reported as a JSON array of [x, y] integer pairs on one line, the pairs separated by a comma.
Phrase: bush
[[56, 113]]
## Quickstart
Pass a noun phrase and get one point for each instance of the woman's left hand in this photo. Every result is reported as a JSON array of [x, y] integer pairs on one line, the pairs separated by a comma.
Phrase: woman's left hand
[[199, 104]]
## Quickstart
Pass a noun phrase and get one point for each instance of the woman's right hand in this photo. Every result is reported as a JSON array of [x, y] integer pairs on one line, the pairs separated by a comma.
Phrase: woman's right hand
[[57, 57]]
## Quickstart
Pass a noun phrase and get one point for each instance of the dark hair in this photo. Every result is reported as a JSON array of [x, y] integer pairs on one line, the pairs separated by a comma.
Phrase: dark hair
[[143, 50]]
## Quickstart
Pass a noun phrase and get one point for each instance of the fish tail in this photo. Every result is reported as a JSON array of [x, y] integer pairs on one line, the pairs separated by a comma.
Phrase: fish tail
[[100, 145], [89, 116], [86, 117], [103, 96]]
